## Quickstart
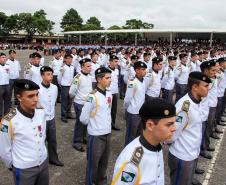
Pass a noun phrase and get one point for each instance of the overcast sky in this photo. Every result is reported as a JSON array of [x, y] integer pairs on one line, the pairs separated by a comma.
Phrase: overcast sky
[[162, 13]]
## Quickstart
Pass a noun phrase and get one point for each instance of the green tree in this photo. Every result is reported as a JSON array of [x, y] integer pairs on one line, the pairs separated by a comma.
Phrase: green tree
[[8, 24], [137, 24], [36, 23], [114, 27], [71, 21]]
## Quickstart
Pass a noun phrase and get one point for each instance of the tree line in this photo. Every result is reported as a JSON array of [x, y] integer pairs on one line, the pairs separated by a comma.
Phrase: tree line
[[37, 23]]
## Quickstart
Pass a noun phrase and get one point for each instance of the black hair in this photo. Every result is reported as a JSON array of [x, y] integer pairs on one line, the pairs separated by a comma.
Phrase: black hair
[[191, 82], [145, 119]]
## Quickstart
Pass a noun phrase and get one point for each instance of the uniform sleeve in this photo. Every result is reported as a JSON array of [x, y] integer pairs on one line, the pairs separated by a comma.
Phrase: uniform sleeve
[[59, 77], [180, 122], [177, 72], [125, 173], [88, 107], [27, 74], [126, 76], [129, 93], [19, 67], [5, 143], [74, 87], [147, 81]]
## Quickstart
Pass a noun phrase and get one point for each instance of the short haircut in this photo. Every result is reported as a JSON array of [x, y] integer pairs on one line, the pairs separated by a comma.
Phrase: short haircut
[[145, 119], [12, 51], [191, 82]]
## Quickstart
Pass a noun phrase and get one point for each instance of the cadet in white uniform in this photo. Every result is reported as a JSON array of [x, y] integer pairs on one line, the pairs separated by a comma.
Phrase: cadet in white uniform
[[14, 73], [40, 50], [4, 86], [65, 78], [185, 147], [80, 88], [114, 88], [96, 114], [122, 63], [94, 66], [208, 68], [220, 90], [33, 73], [47, 99], [130, 72], [56, 64], [193, 62], [168, 79], [22, 137], [153, 79], [181, 75], [134, 99], [141, 161]]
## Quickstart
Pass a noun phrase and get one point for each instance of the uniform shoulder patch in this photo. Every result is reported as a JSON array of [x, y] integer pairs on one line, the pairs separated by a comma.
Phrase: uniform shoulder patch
[[89, 99], [127, 176], [137, 156], [10, 115], [185, 106], [4, 128]]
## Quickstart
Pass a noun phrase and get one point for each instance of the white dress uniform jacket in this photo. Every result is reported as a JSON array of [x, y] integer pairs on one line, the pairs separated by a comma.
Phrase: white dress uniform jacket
[[113, 88], [66, 75], [80, 88], [23, 139], [153, 84], [151, 165], [181, 74], [135, 95], [47, 99], [168, 80], [56, 65], [188, 135], [5, 72], [34, 74], [14, 68], [96, 113]]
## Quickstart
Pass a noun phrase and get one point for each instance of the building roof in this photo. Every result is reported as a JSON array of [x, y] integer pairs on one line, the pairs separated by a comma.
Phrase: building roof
[[184, 30]]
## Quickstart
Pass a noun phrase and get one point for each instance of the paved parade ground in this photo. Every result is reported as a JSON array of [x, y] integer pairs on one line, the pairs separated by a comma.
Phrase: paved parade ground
[[73, 172]]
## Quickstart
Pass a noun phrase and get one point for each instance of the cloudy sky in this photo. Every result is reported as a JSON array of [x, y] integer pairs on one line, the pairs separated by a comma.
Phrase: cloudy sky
[[162, 13]]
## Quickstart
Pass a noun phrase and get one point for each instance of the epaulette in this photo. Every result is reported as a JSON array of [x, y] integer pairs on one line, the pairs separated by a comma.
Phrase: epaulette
[[62, 68], [10, 115], [39, 106], [93, 91], [149, 75], [185, 106], [27, 66], [137, 156], [77, 76], [179, 67], [131, 79]]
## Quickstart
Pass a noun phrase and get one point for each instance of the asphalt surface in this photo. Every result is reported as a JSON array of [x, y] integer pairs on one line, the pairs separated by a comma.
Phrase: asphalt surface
[[73, 172]]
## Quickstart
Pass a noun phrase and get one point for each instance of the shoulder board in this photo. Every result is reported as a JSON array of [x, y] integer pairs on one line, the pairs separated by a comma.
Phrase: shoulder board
[[137, 156], [39, 106], [185, 106], [63, 65], [77, 76], [93, 92], [10, 115], [131, 79]]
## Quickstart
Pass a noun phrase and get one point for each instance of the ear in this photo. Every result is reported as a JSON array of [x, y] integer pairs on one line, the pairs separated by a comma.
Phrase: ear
[[150, 125], [18, 96]]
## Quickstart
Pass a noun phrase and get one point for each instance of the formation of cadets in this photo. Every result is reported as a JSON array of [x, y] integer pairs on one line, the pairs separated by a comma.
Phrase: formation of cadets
[[93, 81]]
